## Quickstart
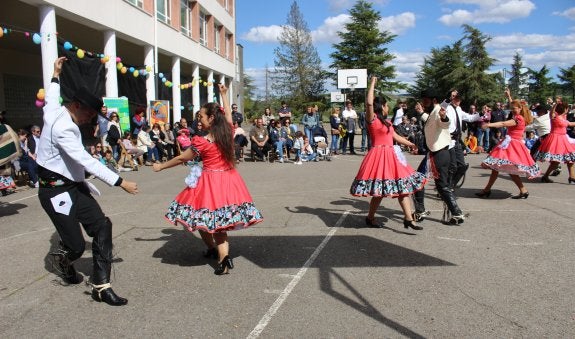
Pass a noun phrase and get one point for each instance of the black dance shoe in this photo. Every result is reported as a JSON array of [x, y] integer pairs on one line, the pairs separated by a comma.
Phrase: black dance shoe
[[371, 223], [521, 196], [65, 269], [483, 194], [545, 179], [224, 267], [410, 224]]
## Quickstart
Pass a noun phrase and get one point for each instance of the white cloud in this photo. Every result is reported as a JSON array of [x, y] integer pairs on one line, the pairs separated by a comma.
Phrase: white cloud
[[263, 34], [568, 13], [489, 11], [397, 24], [327, 32], [533, 41]]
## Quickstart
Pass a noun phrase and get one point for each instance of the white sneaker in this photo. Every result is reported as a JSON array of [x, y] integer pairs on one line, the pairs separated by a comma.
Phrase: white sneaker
[[281, 160], [298, 162]]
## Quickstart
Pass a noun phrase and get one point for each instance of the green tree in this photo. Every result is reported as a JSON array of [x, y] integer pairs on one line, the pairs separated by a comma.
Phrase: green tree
[[567, 77], [249, 96], [516, 75], [363, 46], [478, 85], [540, 86], [297, 75]]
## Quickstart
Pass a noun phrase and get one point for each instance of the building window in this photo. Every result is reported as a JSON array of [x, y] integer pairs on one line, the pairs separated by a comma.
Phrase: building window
[[203, 28], [217, 38], [163, 10], [228, 41], [137, 3], [185, 17]]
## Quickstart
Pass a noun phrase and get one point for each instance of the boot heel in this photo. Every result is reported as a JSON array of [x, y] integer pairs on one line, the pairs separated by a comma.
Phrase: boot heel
[[105, 293]]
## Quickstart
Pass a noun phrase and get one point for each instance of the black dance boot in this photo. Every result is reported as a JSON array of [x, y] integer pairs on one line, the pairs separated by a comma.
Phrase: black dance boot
[[105, 293], [64, 267]]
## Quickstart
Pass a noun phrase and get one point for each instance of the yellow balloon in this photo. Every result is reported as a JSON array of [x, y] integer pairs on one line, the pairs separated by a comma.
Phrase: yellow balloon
[[124, 70], [136, 73], [119, 66], [106, 58], [41, 90], [80, 53], [149, 68]]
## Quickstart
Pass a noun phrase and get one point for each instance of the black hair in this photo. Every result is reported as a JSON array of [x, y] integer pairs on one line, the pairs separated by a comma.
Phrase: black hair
[[378, 104]]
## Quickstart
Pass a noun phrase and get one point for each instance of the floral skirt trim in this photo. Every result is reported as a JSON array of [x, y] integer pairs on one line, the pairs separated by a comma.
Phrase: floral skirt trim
[[564, 158], [506, 166], [388, 187], [227, 218]]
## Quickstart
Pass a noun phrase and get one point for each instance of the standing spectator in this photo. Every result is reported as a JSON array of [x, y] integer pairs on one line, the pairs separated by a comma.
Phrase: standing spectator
[[310, 120], [398, 112], [284, 112], [237, 116], [483, 134], [139, 120], [498, 115], [101, 131], [64, 194], [298, 145], [259, 138], [267, 116], [218, 200], [334, 121], [350, 118], [365, 139], [114, 135]]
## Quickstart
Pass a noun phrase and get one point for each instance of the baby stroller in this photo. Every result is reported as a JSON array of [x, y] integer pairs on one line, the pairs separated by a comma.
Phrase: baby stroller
[[320, 143]]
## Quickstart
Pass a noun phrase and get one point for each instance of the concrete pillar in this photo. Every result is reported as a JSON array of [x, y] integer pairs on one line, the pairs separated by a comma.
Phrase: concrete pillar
[[176, 91], [196, 89], [49, 44], [151, 79], [111, 71], [211, 88]]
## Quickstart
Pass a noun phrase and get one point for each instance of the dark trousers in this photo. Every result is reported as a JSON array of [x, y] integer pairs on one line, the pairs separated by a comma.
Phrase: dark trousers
[[29, 165], [535, 148], [86, 211], [260, 152], [442, 160], [457, 165], [419, 196]]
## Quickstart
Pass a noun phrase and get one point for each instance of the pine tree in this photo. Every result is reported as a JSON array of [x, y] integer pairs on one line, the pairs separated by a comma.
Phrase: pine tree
[[297, 74], [540, 86], [478, 85], [567, 77], [363, 46]]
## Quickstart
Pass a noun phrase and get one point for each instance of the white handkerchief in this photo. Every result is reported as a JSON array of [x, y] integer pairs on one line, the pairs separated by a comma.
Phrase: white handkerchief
[[62, 203], [93, 188]]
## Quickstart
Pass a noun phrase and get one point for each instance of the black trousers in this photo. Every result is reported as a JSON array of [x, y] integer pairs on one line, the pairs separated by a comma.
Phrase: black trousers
[[84, 211], [457, 165], [442, 160]]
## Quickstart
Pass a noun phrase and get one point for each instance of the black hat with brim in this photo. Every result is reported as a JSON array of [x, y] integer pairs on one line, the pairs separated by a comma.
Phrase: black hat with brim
[[89, 100], [429, 93]]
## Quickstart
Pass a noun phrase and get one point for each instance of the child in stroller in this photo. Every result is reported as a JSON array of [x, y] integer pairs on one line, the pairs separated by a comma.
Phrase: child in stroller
[[320, 143]]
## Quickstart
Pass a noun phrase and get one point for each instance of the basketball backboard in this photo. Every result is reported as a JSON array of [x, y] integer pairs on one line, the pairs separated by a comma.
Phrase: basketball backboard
[[337, 97], [352, 78]]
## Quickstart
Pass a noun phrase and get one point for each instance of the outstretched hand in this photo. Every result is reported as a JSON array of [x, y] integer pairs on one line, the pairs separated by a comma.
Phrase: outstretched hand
[[129, 186], [223, 89]]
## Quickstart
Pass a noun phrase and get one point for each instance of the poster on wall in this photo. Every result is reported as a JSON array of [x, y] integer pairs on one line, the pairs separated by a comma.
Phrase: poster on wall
[[122, 107], [159, 112]]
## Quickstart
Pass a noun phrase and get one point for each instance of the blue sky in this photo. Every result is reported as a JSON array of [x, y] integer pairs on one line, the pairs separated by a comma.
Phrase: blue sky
[[542, 31]]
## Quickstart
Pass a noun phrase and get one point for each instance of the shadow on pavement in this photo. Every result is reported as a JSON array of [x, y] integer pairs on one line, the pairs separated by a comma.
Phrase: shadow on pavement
[[7, 209]]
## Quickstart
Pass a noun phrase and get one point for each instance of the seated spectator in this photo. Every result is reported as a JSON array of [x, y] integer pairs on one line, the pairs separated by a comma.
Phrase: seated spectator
[[157, 137], [289, 135], [278, 140], [307, 153], [405, 129], [27, 162], [170, 141], [496, 137], [183, 125], [470, 142], [530, 139], [240, 140], [129, 144], [109, 161], [200, 129], [183, 139], [259, 138], [146, 144]]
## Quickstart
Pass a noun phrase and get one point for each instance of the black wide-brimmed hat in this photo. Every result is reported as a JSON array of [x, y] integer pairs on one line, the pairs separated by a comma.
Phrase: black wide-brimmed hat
[[429, 93], [88, 99]]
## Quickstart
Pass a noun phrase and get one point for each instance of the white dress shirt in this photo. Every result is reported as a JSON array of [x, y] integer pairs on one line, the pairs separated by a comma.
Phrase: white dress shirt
[[463, 116], [60, 148]]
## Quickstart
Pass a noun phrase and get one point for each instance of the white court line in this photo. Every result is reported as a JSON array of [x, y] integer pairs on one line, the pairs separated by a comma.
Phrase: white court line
[[455, 239], [289, 288], [11, 202]]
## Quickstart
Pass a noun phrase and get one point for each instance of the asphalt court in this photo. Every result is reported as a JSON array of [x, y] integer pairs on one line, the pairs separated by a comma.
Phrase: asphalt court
[[311, 269]]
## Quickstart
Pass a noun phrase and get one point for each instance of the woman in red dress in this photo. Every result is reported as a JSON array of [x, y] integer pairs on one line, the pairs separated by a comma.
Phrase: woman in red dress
[[556, 147], [511, 155], [384, 171], [216, 199]]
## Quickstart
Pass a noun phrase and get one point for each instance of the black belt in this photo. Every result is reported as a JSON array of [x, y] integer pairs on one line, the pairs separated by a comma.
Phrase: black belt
[[443, 149], [54, 182]]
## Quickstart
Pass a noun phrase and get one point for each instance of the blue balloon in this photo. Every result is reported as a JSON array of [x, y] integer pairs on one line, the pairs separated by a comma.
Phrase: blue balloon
[[67, 46], [161, 75], [163, 79], [37, 38], [131, 69], [181, 108]]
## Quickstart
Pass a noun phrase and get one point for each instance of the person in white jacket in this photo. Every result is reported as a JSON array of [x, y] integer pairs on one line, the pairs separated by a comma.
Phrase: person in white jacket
[[66, 197]]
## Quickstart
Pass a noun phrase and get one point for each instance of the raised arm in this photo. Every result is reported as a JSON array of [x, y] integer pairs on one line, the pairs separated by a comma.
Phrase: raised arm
[[369, 100], [226, 102]]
